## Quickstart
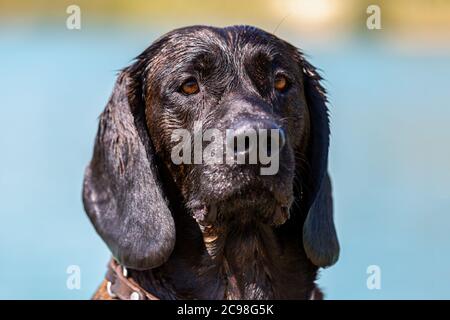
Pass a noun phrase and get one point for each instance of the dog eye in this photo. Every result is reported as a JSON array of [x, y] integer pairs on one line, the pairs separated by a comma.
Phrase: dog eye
[[280, 83], [190, 86]]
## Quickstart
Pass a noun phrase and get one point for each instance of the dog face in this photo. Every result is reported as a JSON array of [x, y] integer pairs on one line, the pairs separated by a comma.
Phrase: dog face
[[230, 79], [204, 79]]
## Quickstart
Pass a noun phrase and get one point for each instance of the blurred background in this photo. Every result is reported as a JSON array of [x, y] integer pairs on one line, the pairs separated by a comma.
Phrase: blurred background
[[389, 93]]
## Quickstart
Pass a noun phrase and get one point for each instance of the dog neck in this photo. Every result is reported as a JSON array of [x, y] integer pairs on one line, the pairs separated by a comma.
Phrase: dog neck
[[242, 257], [251, 261]]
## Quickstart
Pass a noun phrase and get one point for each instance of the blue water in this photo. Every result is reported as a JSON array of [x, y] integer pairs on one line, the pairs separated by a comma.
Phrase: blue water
[[389, 160]]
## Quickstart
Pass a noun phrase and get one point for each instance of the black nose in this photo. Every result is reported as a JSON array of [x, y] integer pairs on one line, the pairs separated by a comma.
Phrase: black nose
[[247, 136]]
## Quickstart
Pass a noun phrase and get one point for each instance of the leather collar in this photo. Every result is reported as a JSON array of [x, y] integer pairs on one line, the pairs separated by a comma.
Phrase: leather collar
[[121, 287]]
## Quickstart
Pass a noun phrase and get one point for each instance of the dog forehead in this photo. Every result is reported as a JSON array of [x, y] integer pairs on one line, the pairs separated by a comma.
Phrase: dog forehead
[[226, 52], [231, 34], [236, 41]]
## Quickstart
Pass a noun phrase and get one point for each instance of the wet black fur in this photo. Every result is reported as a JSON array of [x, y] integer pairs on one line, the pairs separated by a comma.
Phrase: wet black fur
[[154, 215]]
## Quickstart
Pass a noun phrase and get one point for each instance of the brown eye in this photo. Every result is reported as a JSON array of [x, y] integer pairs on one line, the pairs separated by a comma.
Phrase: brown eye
[[280, 83], [190, 87]]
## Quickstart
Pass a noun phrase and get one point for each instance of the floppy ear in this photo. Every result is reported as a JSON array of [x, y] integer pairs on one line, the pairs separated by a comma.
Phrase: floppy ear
[[319, 235], [122, 194]]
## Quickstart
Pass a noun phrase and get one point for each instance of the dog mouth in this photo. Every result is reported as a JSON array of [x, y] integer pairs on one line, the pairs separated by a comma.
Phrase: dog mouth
[[241, 197], [247, 205]]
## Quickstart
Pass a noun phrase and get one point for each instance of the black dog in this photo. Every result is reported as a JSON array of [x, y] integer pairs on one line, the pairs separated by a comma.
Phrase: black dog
[[202, 231]]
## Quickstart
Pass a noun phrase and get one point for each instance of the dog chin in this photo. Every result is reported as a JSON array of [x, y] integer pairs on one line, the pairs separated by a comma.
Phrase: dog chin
[[243, 207]]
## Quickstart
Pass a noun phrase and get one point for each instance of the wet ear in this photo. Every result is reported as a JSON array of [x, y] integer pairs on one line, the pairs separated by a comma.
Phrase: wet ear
[[122, 193], [319, 234]]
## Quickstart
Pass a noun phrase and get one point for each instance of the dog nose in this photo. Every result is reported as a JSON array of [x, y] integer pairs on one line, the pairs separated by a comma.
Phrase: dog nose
[[249, 136]]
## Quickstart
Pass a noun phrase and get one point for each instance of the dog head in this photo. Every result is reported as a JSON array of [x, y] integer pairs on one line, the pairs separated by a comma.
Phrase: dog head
[[197, 98]]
